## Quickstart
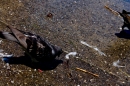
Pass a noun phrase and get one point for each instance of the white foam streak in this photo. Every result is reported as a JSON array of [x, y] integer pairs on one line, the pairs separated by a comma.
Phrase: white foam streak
[[95, 48]]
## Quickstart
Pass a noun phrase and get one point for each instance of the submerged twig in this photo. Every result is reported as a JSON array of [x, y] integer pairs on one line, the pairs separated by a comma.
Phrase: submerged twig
[[96, 75], [111, 10]]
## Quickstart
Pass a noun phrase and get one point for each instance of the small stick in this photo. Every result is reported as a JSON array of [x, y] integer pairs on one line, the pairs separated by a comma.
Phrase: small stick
[[113, 11], [96, 75]]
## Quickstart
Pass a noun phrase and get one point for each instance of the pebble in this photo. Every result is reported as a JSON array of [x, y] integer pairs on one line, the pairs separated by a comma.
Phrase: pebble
[[91, 80], [12, 82], [35, 69]]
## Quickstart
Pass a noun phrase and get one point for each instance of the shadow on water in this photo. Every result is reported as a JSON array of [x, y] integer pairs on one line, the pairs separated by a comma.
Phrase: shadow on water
[[46, 65], [123, 34]]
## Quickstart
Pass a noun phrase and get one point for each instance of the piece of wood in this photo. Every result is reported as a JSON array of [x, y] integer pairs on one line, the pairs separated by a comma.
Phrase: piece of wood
[[96, 75], [111, 10]]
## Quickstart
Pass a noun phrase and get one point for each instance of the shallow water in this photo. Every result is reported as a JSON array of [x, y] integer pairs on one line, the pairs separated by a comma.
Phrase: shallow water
[[72, 21]]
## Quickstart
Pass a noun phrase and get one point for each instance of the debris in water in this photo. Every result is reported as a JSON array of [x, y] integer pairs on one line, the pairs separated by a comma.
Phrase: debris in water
[[69, 75], [95, 48], [87, 72], [49, 15], [113, 11], [12, 82], [71, 53], [116, 64]]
